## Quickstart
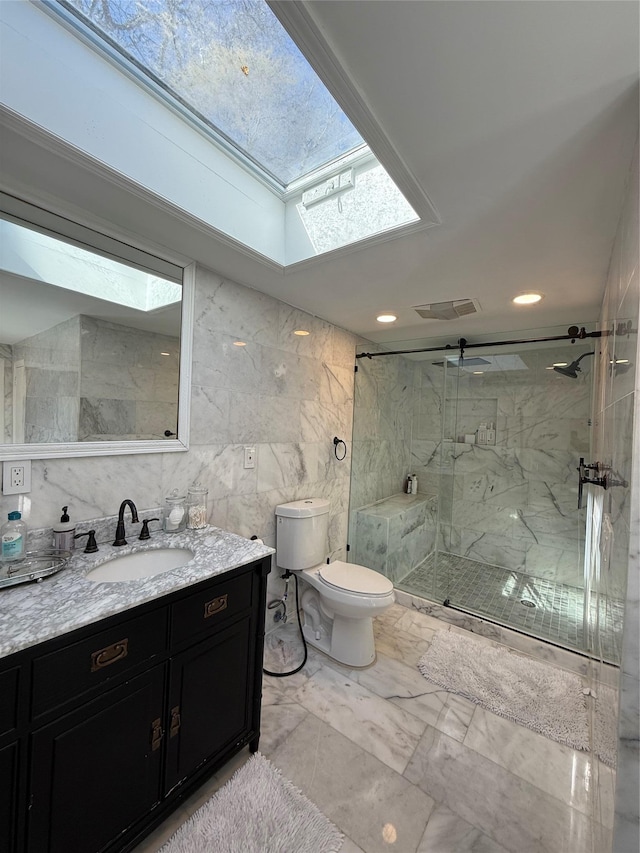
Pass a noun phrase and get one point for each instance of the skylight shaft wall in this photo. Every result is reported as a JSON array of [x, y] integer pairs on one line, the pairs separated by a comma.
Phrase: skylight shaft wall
[[56, 81]]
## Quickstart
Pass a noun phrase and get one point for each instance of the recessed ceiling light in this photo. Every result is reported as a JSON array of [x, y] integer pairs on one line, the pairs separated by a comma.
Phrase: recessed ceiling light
[[527, 298], [478, 372], [560, 363], [239, 344], [386, 318], [301, 332]]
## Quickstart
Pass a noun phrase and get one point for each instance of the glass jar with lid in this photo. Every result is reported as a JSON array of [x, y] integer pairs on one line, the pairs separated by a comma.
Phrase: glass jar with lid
[[174, 514], [197, 507]]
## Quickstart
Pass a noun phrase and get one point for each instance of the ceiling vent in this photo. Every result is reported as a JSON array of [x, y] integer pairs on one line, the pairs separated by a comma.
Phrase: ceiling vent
[[447, 310]]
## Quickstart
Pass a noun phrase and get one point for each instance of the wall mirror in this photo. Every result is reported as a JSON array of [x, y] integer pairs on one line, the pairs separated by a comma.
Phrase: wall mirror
[[95, 341]]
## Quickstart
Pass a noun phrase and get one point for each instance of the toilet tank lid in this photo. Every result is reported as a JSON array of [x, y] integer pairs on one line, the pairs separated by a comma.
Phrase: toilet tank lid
[[303, 509]]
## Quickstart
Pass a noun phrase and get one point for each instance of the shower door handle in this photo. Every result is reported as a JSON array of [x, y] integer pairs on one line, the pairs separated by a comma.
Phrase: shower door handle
[[580, 484], [583, 477]]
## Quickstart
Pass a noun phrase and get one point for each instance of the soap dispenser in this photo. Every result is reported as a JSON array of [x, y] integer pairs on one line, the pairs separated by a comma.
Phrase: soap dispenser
[[64, 532]]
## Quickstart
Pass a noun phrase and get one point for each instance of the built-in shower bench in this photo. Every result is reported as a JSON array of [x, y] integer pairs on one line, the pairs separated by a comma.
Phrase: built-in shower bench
[[395, 534]]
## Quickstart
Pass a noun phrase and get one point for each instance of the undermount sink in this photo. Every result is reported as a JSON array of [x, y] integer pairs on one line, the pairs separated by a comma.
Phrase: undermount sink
[[140, 564]]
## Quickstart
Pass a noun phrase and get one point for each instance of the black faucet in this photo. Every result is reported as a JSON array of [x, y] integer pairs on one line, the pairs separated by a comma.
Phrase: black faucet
[[120, 540]]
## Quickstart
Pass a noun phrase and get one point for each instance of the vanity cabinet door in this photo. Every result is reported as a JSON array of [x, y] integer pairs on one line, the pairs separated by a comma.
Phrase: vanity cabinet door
[[209, 700], [9, 796], [96, 771]]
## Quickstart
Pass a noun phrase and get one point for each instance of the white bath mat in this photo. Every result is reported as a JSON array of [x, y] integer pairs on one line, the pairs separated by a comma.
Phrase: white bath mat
[[536, 695], [257, 811]]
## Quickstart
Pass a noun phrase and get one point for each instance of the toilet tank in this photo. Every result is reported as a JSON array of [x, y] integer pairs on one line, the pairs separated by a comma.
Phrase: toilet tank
[[301, 533]]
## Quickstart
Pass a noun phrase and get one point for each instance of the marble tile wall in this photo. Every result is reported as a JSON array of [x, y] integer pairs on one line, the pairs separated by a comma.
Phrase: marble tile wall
[[617, 444], [127, 388], [382, 420], [285, 394], [51, 363]]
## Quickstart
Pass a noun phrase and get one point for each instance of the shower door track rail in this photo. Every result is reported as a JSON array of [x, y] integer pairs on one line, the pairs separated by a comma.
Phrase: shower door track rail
[[585, 653], [573, 334]]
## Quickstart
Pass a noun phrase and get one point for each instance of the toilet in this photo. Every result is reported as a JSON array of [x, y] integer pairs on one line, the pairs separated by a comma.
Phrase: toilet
[[339, 600]]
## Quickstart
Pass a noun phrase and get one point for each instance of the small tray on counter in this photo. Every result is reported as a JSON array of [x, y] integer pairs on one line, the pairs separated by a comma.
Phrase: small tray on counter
[[34, 566]]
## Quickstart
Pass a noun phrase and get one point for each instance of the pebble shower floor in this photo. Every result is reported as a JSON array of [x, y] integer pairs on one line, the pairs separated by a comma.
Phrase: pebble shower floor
[[557, 614]]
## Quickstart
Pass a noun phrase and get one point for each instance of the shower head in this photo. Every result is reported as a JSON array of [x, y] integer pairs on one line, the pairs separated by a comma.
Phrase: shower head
[[572, 370]]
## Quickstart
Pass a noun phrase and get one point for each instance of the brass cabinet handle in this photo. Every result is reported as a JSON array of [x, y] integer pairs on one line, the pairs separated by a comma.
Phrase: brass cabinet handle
[[110, 654], [156, 734], [174, 725], [215, 606]]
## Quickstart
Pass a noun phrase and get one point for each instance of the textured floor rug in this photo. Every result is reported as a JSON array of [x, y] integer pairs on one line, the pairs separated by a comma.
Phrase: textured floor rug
[[536, 695], [257, 811]]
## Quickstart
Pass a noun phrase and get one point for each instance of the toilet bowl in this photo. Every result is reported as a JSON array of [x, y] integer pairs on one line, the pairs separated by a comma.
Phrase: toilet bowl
[[349, 596], [339, 600]]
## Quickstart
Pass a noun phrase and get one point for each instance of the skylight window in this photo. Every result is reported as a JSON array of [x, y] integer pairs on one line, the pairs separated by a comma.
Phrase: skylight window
[[233, 65]]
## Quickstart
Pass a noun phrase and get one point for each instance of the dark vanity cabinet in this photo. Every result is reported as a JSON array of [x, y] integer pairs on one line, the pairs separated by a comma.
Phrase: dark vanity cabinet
[[11, 676], [117, 723]]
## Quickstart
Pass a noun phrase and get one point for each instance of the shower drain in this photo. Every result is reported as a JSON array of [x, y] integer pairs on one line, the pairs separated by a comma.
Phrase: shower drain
[[526, 602]]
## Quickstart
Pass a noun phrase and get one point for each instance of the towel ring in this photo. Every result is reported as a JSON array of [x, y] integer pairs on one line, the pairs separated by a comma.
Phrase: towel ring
[[336, 444]]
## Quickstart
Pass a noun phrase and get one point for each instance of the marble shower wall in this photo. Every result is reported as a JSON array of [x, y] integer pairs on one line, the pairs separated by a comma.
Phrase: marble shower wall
[[617, 444], [285, 394], [382, 418], [512, 504]]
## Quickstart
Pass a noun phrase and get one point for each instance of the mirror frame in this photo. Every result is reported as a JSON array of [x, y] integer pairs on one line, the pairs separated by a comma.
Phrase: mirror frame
[[40, 219]]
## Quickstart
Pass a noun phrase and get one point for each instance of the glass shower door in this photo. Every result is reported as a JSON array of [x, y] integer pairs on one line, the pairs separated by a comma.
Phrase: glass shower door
[[513, 548]]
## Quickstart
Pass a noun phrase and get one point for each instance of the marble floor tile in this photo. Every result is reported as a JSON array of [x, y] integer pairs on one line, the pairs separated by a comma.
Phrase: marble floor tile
[[448, 833], [380, 727], [389, 618], [277, 723], [420, 624], [282, 691], [405, 687], [401, 646], [366, 799], [562, 772], [518, 815]]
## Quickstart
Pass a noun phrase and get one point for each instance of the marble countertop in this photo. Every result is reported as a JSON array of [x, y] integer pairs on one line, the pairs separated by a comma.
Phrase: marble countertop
[[34, 612]]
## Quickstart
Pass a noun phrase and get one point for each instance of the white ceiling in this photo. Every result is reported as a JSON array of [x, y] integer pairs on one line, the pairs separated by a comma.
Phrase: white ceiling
[[518, 119]]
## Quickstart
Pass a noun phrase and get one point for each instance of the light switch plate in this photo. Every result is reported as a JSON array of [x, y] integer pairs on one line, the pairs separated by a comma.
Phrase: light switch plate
[[249, 457]]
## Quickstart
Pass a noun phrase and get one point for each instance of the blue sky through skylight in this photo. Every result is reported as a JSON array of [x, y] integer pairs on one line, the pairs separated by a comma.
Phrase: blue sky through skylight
[[233, 64]]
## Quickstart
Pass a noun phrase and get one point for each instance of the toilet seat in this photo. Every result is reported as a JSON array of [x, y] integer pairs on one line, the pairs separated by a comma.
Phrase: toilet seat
[[350, 577]]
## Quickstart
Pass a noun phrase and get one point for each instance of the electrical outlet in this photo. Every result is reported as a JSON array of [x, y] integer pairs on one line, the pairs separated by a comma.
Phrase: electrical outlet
[[249, 457], [16, 477]]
